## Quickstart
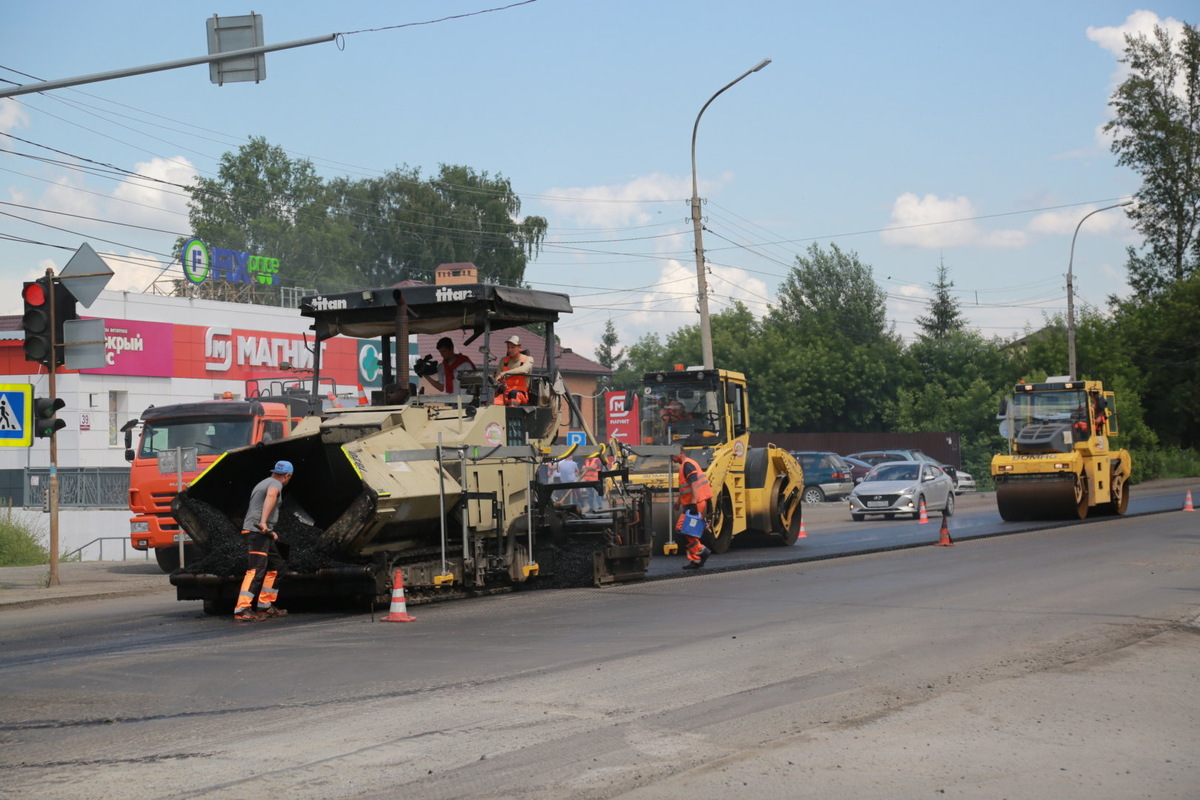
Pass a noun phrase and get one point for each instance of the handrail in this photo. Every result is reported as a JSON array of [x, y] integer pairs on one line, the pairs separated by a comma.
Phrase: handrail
[[124, 540]]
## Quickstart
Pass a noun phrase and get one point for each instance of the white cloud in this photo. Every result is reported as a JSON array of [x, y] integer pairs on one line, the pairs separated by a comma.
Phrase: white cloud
[[933, 223], [638, 202], [156, 205], [1064, 222], [12, 117]]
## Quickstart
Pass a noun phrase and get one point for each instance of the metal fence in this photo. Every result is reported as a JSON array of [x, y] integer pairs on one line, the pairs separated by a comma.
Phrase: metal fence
[[79, 487]]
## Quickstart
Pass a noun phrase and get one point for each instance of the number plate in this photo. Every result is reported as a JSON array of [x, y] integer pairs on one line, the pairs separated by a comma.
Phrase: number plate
[[876, 504]]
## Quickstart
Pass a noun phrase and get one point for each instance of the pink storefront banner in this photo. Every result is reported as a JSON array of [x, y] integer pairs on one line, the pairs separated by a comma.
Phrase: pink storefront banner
[[137, 348]]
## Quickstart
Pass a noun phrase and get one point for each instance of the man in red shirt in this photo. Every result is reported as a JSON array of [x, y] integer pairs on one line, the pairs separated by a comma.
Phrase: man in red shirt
[[452, 364]]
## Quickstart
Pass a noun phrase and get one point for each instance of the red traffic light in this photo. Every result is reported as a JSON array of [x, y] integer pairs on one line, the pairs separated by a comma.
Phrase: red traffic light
[[34, 293]]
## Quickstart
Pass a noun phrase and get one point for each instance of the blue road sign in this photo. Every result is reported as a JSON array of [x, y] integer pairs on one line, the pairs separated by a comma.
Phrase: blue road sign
[[16, 414], [576, 437]]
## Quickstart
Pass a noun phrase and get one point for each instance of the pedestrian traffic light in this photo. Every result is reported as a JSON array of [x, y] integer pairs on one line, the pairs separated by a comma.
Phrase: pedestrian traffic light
[[45, 420], [42, 298]]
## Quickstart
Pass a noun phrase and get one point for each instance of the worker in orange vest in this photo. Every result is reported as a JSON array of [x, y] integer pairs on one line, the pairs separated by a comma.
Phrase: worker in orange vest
[[694, 494], [512, 375], [591, 472]]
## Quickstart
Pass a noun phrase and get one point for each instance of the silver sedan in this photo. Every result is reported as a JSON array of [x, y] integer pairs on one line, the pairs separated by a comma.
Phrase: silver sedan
[[900, 487]]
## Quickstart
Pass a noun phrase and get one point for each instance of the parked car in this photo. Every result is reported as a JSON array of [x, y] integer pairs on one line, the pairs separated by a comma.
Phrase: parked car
[[858, 468], [964, 483], [882, 456], [826, 476], [900, 487]]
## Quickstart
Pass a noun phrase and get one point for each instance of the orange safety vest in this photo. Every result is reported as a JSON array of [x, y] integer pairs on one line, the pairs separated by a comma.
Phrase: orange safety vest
[[591, 469], [517, 382], [693, 488]]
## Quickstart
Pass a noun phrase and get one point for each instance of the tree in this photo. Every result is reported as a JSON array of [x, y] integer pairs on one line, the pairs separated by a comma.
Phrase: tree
[[833, 292], [606, 353], [1156, 132], [409, 225], [944, 318], [265, 203]]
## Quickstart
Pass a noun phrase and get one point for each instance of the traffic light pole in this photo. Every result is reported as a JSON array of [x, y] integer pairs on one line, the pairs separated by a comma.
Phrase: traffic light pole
[[53, 487]]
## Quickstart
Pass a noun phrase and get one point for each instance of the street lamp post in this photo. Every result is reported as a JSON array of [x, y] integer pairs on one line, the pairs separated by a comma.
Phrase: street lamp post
[[701, 281], [1071, 289]]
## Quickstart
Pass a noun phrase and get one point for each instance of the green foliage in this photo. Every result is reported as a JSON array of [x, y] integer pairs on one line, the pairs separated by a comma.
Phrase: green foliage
[[606, 352], [1156, 132], [21, 545], [943, 318], [347, 233]]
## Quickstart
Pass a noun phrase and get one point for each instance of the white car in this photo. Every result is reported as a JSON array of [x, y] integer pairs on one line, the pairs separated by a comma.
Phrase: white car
[[965, 482], [900, 487]]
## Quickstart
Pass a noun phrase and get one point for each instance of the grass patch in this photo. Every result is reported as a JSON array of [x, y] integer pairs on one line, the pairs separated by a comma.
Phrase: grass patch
[[21, 544]]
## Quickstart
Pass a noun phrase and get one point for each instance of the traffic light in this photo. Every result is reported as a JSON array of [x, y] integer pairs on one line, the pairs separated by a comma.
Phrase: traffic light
[[45, 421], [39, 296]]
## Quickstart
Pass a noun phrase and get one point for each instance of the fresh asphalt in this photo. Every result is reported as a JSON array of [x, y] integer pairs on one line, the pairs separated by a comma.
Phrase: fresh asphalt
[[830, 533]]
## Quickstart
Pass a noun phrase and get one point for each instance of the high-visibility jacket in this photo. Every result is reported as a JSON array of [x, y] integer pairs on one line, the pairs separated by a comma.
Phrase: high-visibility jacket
[[693, 483], [518, 383], [591, 469]]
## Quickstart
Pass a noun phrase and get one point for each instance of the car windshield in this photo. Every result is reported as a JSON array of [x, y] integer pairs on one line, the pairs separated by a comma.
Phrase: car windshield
[[207, 434], [1048, 406], [894, 472], [689, 414]]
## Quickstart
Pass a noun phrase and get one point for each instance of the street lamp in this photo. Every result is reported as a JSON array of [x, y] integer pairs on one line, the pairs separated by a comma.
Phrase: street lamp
[[701, 281], [1071, 289]]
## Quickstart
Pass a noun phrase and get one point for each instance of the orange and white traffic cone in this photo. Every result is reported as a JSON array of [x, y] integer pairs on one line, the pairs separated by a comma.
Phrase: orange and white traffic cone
[[1187, 504], [944, 540], [399, 610], [363, 400], [802, 534], [924, 517]]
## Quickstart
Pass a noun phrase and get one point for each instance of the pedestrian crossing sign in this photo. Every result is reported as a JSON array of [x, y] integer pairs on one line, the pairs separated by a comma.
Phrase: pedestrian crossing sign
[[16, 414]]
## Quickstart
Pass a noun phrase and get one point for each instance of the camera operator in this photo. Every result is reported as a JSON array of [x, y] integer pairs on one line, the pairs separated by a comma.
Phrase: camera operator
[[452, 364]]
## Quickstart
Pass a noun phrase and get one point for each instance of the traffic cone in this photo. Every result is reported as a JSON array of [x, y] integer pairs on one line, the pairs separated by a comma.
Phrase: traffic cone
[[944, 540], [363, 400], [1187, 504], [802, 534], [924, 517], [399, 610]]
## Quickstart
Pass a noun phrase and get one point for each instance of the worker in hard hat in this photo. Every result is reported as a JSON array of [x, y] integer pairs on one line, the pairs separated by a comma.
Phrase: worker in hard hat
[[694, 494], [513, 374]]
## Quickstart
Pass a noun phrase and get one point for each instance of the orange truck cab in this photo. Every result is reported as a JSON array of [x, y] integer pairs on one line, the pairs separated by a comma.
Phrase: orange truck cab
[[206, 429]]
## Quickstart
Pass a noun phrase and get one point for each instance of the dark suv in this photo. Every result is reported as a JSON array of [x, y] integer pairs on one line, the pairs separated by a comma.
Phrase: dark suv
[[826, 475]]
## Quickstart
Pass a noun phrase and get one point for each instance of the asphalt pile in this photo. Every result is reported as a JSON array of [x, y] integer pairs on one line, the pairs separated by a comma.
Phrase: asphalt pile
[[226, 549]]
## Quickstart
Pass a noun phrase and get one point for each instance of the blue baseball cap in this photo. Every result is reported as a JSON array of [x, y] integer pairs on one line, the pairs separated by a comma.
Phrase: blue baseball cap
[[283, 468]]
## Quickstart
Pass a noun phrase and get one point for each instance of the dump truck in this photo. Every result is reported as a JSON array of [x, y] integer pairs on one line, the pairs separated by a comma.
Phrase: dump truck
[[177, 441], [757, 491], [1061, 463], [440, 488]]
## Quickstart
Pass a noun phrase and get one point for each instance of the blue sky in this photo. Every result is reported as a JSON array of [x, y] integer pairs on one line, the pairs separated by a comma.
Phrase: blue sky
[[910, 133]]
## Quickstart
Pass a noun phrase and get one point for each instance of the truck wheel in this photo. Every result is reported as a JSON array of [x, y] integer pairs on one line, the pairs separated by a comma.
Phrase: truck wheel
[[168, 557], [218, 608]]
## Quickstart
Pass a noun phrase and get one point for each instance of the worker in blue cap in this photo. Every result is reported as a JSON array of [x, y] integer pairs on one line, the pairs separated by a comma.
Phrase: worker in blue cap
[[256, 600]]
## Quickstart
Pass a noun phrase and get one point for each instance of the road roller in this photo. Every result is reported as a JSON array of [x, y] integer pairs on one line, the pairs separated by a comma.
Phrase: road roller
[[1061, 463], [705, 413]]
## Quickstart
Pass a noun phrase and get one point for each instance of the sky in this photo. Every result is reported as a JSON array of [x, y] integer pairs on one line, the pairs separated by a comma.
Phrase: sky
[[911, 134]]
